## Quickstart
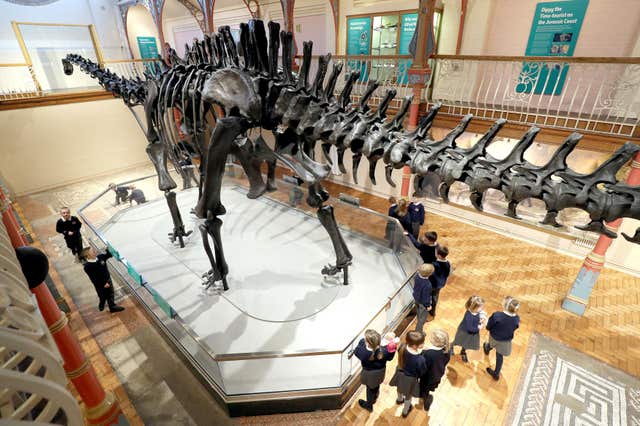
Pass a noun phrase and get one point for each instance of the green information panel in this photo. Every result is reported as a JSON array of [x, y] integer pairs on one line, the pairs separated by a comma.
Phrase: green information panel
[[358, 43], [113, 251], [554, 32], [166, 308], [134, 274], [148, 47], [408, 24]]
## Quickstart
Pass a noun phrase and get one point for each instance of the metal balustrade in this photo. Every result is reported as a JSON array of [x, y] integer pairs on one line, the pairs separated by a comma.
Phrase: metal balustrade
[[599, 95]]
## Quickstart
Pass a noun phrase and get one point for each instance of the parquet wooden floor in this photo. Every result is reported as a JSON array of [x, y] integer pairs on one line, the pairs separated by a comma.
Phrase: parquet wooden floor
[[494, 266]]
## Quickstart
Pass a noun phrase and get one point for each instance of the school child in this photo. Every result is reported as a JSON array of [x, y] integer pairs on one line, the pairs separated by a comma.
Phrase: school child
[[416, 217], [96, 268], [411, 366], [426, 246], [401, 212], [422, 291], [391, 224], [374, 358], [468, 333], [436, 357], [441, 271], [393, 206], [501, 326]]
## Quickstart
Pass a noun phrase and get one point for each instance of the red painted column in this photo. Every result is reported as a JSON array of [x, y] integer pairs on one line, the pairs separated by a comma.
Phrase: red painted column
[[100, 408], [10, 222], [577, 299], [419, 75]]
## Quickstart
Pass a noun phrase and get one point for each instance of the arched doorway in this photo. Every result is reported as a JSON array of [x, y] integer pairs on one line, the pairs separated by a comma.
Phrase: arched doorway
[[313, 20], [231, 13], [141, 32], [179, 26]]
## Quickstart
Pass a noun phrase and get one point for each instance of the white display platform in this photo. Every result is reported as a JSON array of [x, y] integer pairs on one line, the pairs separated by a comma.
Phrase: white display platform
[[278, 301]]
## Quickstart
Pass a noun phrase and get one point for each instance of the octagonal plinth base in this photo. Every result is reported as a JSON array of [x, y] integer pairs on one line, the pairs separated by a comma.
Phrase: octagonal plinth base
[[281, 331]]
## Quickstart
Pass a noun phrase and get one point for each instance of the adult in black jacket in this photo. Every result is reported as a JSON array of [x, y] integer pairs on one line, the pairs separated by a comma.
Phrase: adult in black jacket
[[69, 227], [436, 357], [96, 268]]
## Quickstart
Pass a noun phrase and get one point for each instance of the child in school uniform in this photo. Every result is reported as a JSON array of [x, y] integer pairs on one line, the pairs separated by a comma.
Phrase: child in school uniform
[[427, 246], [374, 358], [422, 291], [468, 333], [391, 224], [441, 271], [436, 357], [96, 268], [411, 366], [416, 217], [501, 326]]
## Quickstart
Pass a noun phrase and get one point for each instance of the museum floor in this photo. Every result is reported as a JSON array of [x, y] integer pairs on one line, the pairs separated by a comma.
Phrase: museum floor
[[154, 388]]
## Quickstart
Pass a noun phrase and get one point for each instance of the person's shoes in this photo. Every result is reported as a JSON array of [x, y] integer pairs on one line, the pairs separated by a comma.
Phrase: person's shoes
[[408, 411], [464, 357], [427, 402], [363, 404], [486, 348], [116, 308], [101, 305], [399, 401], [493, 374]]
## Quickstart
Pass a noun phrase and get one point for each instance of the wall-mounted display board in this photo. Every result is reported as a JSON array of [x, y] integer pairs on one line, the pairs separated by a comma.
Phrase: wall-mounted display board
[[384, 34], [554, 32], [148, 47], [359, 42]]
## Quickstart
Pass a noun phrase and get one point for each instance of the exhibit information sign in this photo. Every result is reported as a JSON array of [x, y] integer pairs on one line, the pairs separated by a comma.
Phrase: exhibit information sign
[[148, 50], [148, 47], [359, 42], [408, 24], [554, 32]]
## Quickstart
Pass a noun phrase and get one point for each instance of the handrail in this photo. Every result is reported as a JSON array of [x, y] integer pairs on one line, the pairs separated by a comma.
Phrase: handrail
[[363, 57], [123, 61], [24, 64], [267, 354], [568, 59]]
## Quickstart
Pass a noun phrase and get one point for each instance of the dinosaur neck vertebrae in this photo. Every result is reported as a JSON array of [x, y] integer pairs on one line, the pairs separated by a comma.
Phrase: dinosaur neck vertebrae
[[254, 92]]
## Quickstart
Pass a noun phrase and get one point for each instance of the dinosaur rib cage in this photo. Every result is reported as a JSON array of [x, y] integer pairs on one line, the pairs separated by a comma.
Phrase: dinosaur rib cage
[[246, 81]]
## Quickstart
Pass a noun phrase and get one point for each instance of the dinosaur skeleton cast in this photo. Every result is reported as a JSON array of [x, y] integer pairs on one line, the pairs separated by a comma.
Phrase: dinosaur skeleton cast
[[252, 91]]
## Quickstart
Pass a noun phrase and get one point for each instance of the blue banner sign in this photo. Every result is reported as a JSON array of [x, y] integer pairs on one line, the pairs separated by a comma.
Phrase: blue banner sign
[[359, 43], [554, 32], [148, 47], [408, 25]]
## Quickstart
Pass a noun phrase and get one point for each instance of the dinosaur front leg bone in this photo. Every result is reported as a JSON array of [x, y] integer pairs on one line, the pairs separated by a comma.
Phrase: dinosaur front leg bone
[[222, 140], [178, 227], [158, 156], [219, 268], [343, 255]]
